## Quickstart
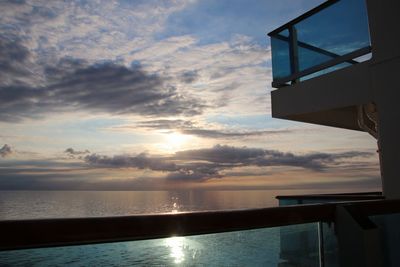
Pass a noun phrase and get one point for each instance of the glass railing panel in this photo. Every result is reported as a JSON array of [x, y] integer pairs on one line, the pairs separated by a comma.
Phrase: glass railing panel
[[390, 237], [303, 201], [280, 56], [261, 247], [299, 245], [337, 30], [289, 201], [309, 58], [322, 39], [325, 71], [330, 245], [327, 198]]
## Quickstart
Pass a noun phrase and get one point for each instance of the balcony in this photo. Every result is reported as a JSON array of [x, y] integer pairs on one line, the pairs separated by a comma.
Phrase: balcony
[[332, 36], [323, 57], [336, 65]]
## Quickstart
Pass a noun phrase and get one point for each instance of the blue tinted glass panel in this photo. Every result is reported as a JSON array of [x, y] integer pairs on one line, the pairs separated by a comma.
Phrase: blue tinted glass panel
[[337, 30], [309, 58], [280, 56], [289, 201], [261, 247], [325, 71]]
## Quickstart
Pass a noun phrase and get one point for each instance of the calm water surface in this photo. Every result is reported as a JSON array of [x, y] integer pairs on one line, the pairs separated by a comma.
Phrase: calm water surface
[[244, 248], [50, 204]]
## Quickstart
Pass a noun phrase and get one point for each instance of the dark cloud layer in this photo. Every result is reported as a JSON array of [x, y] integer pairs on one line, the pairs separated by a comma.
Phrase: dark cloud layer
[[13, 58], [73, 84], [201, 164], [90, 173], [107, 88], [5, 151], [141, 161]]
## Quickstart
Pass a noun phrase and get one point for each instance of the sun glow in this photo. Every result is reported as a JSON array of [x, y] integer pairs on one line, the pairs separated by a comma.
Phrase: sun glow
[[175, 141]]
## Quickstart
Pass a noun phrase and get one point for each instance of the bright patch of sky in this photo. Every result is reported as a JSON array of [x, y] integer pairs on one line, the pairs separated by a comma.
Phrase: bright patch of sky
[[177, 90]]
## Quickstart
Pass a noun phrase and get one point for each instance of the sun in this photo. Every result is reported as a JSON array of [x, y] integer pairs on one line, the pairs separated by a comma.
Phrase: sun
[[176, 141]]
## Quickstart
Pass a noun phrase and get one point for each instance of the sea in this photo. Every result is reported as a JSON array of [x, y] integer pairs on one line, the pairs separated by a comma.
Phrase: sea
[[259, 247]]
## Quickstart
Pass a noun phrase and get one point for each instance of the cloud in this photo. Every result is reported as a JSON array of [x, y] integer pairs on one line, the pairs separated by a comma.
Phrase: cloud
[[175, 170], [117, 89], [195, 172], [190, 128], [5, 151], [141, 161], [203, 164], [12, 53], [72, 152], [189, 168], [14, 57], [164, 124], [189, 76], [65, 42], [222, 154], [52, 59], [107, 87], [84, 22], [215, 134], [231, 74]]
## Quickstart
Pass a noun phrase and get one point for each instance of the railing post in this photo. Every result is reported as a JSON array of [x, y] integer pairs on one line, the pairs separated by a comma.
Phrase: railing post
[[358, 239], [293, 52]]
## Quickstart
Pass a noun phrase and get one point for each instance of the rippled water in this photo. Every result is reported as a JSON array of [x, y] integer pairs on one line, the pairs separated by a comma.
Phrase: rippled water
[[48, 204]]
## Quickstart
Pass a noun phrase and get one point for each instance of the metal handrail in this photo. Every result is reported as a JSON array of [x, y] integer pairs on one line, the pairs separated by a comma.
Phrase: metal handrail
[[303, 17], [313, 48], [19, 234]]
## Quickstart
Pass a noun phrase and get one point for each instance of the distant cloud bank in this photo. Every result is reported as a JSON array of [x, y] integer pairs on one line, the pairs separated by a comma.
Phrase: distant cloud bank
[[202, 164]]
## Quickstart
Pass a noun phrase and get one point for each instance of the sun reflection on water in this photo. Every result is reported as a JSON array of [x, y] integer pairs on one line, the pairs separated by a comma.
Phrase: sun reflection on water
[[175, 208], [176, 245], [175, 205]]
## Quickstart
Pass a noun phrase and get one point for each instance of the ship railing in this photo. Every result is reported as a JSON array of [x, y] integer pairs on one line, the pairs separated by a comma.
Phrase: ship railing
[[350, 225]]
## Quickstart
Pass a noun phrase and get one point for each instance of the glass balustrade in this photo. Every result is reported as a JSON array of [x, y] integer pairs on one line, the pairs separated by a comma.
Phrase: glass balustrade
[[332, 36], [261, 247]]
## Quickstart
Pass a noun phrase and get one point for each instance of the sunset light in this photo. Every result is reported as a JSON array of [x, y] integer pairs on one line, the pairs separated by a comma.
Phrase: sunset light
[[176, 141], [175, 132], [184, 95]]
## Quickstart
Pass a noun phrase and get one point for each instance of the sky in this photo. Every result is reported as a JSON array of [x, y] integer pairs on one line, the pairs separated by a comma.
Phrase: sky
[[158, 95]]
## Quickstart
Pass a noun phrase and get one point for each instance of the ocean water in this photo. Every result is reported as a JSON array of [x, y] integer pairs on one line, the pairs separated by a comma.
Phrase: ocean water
[[56, 204], [259, 247]]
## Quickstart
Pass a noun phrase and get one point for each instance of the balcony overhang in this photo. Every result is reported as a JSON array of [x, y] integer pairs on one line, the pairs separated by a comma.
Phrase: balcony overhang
[[329, 100]]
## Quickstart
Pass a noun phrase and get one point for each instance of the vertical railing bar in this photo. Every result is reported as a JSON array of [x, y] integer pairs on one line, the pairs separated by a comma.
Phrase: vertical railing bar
[[293, 52], [321, 245]]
